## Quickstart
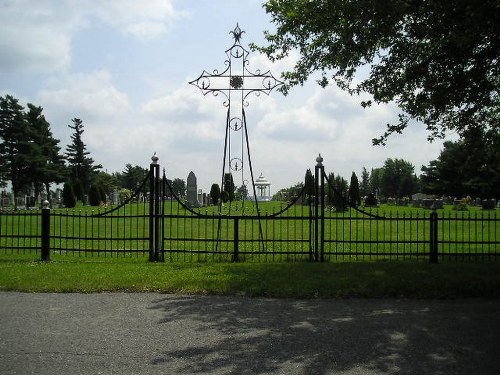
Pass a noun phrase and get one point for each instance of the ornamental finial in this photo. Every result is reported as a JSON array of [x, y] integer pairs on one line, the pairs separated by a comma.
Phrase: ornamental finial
[[237, 33]]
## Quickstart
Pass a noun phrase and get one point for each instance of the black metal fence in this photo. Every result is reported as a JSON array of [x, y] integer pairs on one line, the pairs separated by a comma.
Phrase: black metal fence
[[165, 229]]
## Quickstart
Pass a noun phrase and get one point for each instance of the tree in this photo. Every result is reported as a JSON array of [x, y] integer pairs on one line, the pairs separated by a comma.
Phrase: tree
[[46, 162], [337, 192], [288, 194], [399, 179], [16, 144], [215, 193], [375, 184], [438, 60], [242, 192], [68, 196], [179, 187], [81, 166], [228, 186], [132, 176], [106, 183], [95, 197], [353, 193], [467, 167], [364, 186]]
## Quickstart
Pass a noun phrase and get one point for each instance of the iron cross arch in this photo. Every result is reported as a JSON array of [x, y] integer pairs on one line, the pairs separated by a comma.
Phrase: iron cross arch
[[236, 83]]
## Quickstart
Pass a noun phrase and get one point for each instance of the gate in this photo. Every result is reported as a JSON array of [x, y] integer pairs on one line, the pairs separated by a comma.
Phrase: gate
[[235, 231]]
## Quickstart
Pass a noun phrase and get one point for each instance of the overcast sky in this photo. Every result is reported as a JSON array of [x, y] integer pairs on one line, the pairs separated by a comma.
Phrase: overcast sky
[[123, 67]]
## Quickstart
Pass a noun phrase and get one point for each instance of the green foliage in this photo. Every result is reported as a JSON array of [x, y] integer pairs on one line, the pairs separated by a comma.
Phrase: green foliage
[[124, 194], [437, 59], [337, 192], [16, 144], [68, 196], [229, 187], [364, 187], [288, 194], [470, 166], [132, 177], [95, 197], [80, 164], [215, 194], [179, 187], [354, 195], [398, 179]]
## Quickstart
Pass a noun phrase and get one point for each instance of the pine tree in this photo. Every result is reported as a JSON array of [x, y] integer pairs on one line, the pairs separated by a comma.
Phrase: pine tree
[[46, 162], [15, 144], [81, 166], [354, 196]]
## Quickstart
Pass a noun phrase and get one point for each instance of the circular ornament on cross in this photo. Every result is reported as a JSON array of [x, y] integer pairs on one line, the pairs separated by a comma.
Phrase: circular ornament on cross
[[236, 82]]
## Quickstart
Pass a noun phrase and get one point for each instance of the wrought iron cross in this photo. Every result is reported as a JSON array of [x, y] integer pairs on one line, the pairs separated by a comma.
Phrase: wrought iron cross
[[236, 78], [236, 83]]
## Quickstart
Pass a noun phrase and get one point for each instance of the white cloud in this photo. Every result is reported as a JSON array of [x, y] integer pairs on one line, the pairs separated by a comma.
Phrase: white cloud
[[141, 19], [37, 35], [92, 96]]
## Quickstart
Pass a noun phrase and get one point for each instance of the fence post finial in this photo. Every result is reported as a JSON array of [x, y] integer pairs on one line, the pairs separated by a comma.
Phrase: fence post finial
[[319, 160], [155, 158]]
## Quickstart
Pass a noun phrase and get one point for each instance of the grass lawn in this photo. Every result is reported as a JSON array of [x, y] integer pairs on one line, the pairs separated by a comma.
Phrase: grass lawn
[[290, 280]]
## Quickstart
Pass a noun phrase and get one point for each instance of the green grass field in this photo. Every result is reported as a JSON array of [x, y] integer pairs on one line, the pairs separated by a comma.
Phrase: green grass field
[[83, 270], [291, 280]]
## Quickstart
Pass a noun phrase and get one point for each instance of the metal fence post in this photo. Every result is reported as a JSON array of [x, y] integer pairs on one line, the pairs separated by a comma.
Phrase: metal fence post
[[154, 171], [236, 238], [319, 159], [45, 257], [433, 236], [319, 208]]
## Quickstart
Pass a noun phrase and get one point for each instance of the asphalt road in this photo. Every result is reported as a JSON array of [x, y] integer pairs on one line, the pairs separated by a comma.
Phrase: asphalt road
[[169, 334]]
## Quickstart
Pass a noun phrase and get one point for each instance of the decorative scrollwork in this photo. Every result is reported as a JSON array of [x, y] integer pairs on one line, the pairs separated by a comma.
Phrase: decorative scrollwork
[[235, 123], [244, 81], [236, 164]]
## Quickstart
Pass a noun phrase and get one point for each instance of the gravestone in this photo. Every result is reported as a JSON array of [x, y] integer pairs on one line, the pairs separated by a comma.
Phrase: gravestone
[[5, 203], [192, 191], [200, 197], [21, 203], [488, 204]]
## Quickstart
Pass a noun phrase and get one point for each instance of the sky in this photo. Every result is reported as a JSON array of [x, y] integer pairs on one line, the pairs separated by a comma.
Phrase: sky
[[124, 66]]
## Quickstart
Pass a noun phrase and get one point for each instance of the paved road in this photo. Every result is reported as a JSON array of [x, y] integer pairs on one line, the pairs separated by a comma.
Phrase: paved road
[[169, 334]]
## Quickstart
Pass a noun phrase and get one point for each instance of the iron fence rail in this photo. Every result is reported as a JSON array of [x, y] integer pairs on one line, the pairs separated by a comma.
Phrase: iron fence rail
[[126, 233]]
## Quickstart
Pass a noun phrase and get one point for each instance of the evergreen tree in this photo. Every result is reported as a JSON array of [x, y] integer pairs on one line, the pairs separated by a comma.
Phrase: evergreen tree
[[364, 186], [132, 177], [309, 187], [16, 144], [81, 166], [215, 193], [229, 187], [337, 192], [68, 196], [47, 164], [354, 196]]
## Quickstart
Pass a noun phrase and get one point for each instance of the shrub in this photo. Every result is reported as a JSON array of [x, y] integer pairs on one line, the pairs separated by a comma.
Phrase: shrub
[[94, 196], [68, 196]]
